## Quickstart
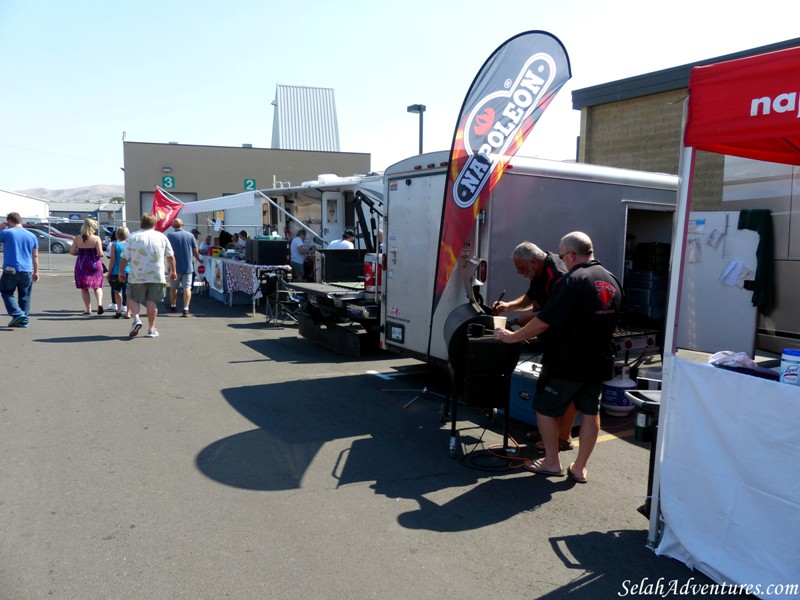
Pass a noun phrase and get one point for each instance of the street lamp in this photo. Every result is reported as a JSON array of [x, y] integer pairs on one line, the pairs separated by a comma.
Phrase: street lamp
[[419, 109]]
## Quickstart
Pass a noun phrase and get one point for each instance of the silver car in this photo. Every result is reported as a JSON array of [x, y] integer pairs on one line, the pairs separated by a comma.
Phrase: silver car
[[50, 243]]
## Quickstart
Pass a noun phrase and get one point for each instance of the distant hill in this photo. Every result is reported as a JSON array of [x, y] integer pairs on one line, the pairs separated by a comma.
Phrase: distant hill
[[79, 194]]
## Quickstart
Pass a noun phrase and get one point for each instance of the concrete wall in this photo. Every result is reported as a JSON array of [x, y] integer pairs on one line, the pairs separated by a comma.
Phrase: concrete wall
[[644, 133], [210, 171]]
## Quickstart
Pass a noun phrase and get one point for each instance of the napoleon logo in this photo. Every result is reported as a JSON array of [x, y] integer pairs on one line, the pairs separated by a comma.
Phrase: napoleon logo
[[483, 122], [492, 125], [780, 104]]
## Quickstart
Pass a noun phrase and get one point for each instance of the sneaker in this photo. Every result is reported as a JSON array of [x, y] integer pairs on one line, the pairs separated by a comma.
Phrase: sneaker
[[123, 309], [173, 309], [185, 313], [100, 310], [113, 306], [137, 325], [17, 321], [153, 333], [117, 315]]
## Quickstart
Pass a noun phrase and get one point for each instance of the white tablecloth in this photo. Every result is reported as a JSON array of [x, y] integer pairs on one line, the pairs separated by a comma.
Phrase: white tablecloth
[[730, 491], [227, 277]]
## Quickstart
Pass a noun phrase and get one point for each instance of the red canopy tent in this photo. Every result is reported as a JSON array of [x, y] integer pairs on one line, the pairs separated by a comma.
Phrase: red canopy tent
[[725, 496], [747, 107]]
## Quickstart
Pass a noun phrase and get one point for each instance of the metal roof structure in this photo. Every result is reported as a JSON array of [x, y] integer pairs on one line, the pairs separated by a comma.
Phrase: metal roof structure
[[84, 207], [27, 206], [666, 80], [305, 119]]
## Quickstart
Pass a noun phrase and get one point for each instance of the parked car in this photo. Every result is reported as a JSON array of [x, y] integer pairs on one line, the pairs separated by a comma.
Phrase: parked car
[[51, 243], [48, 229]]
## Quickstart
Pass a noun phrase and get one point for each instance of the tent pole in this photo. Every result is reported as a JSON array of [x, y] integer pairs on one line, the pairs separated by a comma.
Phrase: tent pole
[[686, 173]]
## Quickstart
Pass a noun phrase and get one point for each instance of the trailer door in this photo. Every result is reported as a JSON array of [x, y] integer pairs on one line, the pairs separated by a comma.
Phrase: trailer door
[[332, 215], [412, 236]]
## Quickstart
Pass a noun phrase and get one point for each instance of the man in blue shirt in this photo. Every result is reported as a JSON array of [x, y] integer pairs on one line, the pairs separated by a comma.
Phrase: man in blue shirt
[[20, 269], [184, 245]]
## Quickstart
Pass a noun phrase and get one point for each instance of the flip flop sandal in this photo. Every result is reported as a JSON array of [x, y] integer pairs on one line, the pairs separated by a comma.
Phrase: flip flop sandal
[[574, 477], [533, 436], [535, 466]]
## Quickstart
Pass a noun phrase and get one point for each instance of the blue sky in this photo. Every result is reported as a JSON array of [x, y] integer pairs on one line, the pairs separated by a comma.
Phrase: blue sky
[[76, 74]]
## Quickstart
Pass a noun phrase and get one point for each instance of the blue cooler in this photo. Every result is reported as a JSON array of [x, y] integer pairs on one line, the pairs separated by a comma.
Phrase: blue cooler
[[523, 388]]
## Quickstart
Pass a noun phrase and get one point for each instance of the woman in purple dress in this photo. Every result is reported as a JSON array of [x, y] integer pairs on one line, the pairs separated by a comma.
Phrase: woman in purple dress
[[88, 268]]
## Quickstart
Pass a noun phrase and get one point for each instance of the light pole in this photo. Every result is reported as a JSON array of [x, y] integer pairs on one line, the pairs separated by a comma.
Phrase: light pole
[[419, 109]]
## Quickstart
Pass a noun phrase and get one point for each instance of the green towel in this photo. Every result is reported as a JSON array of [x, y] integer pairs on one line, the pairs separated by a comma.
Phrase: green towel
[[760, 221]]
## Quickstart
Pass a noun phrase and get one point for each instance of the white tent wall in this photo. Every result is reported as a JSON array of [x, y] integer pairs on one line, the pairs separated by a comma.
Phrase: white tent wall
[[724, 498], [30, 209]]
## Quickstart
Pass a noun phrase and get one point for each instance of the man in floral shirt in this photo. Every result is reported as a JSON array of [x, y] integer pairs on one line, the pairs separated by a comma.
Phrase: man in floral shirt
[[145, 251]]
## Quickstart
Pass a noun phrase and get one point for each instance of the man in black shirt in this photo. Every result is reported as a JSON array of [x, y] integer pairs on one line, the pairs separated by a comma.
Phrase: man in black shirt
[[578, 324], [545, 270]]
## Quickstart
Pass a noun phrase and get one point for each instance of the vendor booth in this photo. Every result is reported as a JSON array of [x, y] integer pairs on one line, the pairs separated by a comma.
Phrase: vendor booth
[[235, 281], [232, 280], [725, 489]]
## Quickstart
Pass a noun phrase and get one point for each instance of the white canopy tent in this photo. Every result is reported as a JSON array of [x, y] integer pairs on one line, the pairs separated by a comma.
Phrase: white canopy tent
[[725, 493], [220, 203]]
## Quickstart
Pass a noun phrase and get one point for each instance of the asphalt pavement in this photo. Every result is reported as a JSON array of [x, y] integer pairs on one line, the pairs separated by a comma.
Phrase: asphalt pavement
[[229, 459]]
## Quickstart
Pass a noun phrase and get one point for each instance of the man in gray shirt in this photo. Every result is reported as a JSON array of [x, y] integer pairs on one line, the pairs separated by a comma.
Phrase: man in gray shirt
[[184, 245]]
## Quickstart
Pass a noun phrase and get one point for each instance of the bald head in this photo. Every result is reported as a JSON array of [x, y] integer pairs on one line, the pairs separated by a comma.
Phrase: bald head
[[579, 243]]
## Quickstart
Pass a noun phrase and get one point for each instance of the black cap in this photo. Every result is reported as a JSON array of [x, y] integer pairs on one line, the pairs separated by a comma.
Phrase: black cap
[[349, 233], [195, 230]]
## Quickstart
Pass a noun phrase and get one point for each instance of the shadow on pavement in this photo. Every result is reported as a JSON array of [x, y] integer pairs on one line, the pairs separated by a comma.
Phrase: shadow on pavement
[[84, 339], [614, 564], [401, 452], [294, 349], [404, 454]]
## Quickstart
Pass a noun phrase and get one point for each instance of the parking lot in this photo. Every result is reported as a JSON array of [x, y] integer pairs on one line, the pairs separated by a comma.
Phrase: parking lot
[[230, 459]]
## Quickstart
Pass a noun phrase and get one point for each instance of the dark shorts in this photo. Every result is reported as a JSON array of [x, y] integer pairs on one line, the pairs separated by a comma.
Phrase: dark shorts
[[297, 269], [553, 396], [116, 284]]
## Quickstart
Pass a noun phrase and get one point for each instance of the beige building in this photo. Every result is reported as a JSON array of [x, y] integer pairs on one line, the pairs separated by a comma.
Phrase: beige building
[[194, 173], [635, 123]]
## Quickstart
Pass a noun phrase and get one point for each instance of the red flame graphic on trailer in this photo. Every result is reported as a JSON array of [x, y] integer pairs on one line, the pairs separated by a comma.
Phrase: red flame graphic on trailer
[[507, 97]]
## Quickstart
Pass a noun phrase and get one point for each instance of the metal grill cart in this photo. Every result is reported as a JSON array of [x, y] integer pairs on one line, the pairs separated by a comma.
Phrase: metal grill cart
[[480, 368]]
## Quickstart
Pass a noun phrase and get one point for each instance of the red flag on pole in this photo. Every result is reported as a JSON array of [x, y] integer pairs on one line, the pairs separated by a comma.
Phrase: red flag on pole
[[508, 95], [165, 209]]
